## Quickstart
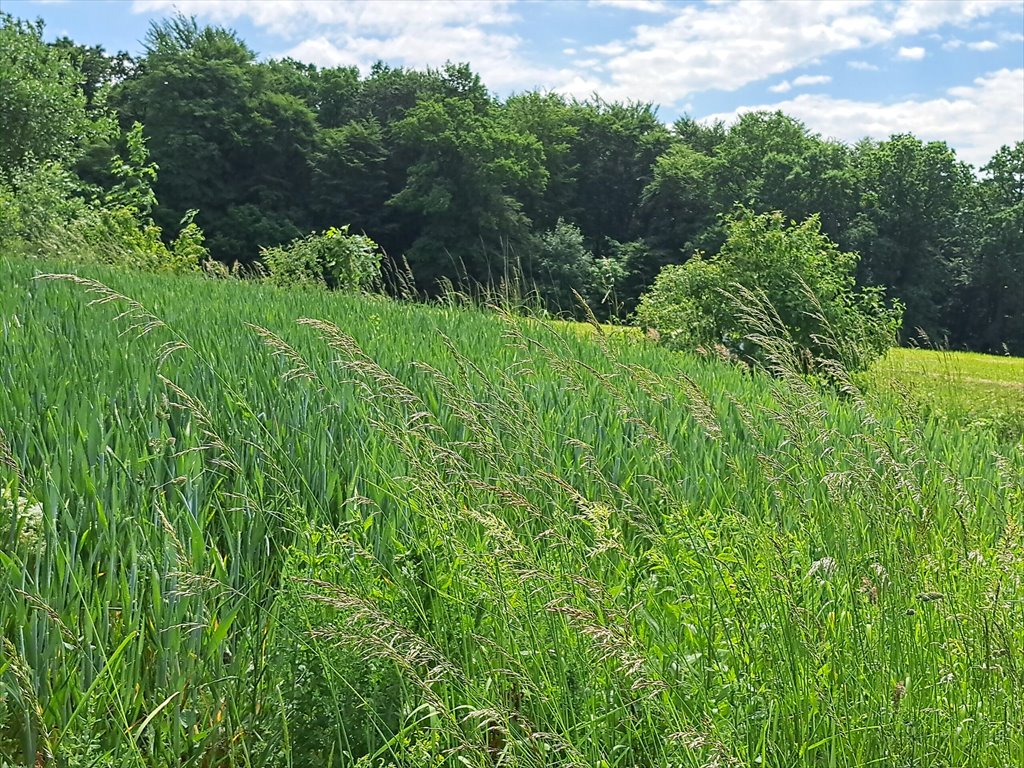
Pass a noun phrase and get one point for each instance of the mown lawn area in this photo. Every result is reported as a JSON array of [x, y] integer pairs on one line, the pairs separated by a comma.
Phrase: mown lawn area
[[975, 389]]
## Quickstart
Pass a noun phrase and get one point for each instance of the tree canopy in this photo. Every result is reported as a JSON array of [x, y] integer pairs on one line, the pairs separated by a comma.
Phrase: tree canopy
[[472, 189]]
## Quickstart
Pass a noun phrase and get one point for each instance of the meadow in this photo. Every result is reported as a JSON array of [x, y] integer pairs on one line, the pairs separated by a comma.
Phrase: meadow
[[972, 389], [251, 526]]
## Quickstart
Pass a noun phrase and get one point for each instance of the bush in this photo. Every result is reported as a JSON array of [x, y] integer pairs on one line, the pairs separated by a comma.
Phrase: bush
[[47, 209], [789, 277], [564, 264], [333, 259]]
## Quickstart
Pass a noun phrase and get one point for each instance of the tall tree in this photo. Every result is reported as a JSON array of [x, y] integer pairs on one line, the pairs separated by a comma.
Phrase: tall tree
[[997, 283], [769, 161], [548, 117], [614, 152], [231, 137], [470, 167], [98, 69], [42, 106], [350, 182], [913, 230]]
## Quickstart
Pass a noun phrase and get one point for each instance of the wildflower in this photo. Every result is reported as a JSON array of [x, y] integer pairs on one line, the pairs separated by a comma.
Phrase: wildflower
[[826, 566], [28, 520]]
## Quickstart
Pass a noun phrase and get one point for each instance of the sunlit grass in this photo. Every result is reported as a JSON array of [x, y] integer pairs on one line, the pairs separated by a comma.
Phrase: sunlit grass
[[431, 536], [968, 387]]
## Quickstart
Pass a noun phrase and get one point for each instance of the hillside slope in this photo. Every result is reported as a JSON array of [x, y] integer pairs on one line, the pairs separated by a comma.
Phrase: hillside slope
[[429, 536]]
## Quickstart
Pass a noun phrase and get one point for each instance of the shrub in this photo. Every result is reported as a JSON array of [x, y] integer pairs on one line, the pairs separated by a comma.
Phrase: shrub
[[47, 209], [564, 264], [36, 202], [332, 259], [789, 276]]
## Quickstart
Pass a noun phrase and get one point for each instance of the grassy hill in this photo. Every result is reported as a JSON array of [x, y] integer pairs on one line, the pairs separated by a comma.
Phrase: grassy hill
[[416, 536]]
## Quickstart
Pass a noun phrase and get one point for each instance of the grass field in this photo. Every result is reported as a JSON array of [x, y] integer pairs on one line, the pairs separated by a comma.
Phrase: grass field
[[964, 388], [412, 536], [984, 390]]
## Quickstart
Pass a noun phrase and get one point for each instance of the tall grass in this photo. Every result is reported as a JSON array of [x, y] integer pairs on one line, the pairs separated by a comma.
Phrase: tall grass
[[246, 526]]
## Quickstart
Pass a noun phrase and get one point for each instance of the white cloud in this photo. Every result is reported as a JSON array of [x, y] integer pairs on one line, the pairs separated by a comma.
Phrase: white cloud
[[569, 51], [805, 80], [976, 119], [983, 45], [921, 15], [291, 18], [800, 82], [914, 53], [863, 66], [645, 6], [680, 50], [952, 44], [727, 45], [608, 49]]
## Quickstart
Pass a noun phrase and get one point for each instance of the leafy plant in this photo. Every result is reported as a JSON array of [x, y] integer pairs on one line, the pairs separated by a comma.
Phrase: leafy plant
[[564, 267], [332, 259], [791, 277]]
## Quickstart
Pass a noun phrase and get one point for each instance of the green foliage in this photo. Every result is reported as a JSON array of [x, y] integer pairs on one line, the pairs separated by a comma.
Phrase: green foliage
[[563, 267], [42, 108], [38, 202], [790, 277], [911, 227], [49, 210], [461, 184], [417, 536], [994, 306], [332, 259], [470, 165], [563, 264], [98, 69], [135, 174]]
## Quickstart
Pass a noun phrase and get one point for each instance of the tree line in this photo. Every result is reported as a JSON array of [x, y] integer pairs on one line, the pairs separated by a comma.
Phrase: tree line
[[554, 194]]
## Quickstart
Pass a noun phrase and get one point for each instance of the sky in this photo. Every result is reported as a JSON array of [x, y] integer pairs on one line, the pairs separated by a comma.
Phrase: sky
[[951, 71]]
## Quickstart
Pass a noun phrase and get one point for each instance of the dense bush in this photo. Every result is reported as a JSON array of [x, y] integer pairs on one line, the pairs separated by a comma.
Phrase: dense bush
[[564, 264], [333, 259], [47, 209], [772, 276]]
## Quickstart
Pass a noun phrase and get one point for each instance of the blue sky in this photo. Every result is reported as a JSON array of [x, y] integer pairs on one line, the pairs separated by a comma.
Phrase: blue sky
[[847, 68]]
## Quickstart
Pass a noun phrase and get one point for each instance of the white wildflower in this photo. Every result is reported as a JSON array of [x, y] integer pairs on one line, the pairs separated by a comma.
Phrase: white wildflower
[[26, 517], [823, 568]]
